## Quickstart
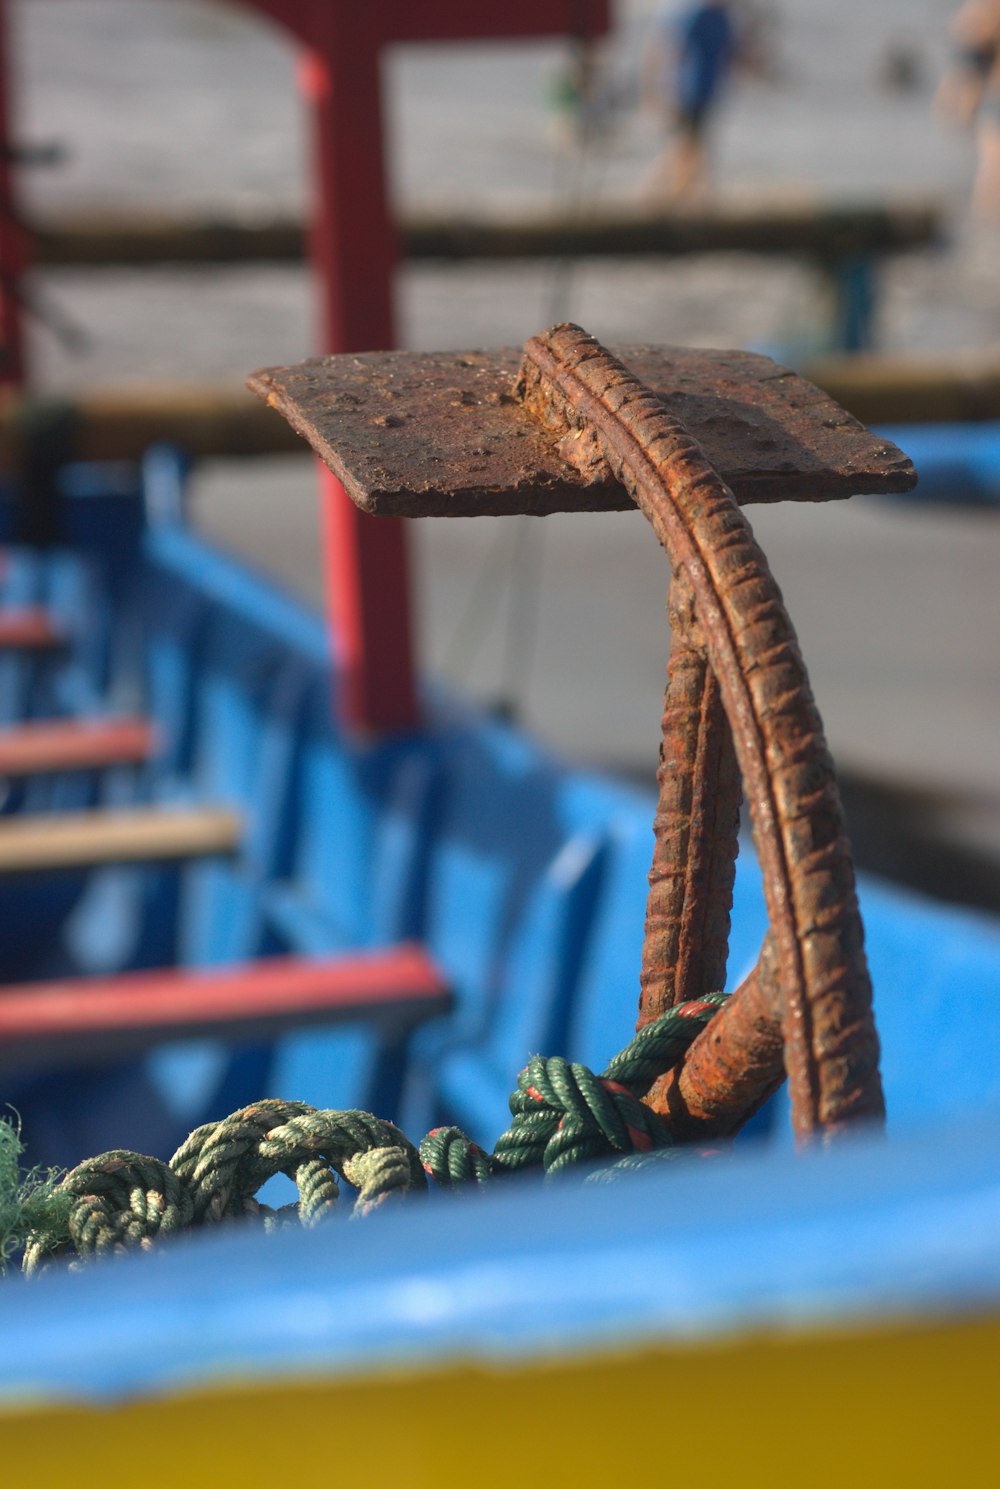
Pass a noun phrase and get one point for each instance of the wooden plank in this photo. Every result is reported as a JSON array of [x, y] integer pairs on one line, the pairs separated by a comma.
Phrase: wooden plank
[[515, 20], [74, 744], [961, 388], [74, 1021], [29, 629], [120, 423], [81, 840], [446, 20], [118, 240], [826, 231]]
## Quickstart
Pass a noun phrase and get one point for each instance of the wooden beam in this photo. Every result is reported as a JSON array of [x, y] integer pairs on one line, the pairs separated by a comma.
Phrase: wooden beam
[[456, 20], [121, 423], [824, 231], [827, 232], [98, 1018], [74, 744], [957, 389], [210, 420], [515, 20], [81, 840]]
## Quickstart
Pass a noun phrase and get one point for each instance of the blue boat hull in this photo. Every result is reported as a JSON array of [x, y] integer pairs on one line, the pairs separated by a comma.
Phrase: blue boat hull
[[839, 1310]]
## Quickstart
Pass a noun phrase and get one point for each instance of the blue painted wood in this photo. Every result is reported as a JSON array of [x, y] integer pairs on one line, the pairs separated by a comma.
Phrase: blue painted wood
[[957, 464], [532, 998], [525, 879], [532, 1272]]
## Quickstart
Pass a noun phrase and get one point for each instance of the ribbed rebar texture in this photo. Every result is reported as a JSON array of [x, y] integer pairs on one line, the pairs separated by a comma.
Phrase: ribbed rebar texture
[[695, 829], [831, 1050]]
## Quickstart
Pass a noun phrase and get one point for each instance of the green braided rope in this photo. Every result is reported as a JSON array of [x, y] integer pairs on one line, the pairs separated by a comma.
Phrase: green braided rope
[[124, 1199], [659, 1046], [217, 1160], [562, 1114], [452, 1159], [380, 1174], [116, 1201], [318, 1191]]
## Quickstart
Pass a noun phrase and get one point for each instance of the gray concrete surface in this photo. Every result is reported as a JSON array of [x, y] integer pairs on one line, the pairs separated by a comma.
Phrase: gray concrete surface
[[893, 604]]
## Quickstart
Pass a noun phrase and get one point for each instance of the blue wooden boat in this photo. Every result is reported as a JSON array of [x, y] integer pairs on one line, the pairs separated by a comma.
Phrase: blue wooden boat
[[859, 1288], [524, 878], [525, 1331]]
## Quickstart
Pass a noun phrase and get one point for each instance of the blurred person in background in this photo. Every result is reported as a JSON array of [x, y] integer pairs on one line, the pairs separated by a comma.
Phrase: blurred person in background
[[970, 95], [687, 67]]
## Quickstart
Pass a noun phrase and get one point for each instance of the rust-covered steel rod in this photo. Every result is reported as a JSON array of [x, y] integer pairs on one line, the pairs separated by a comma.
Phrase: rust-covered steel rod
[[696, 841], [685, 435], [607, 417], [734, 1065], [695, 829]]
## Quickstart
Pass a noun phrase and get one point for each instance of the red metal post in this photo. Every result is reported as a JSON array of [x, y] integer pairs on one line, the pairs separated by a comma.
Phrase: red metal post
[[12, 247], [353, 254]]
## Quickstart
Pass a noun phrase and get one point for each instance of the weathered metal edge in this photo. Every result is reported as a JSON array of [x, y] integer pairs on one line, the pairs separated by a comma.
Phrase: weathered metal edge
[[572, 492]]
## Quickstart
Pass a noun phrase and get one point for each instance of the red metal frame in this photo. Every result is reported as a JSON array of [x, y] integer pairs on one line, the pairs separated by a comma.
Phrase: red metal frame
[[353, 253]]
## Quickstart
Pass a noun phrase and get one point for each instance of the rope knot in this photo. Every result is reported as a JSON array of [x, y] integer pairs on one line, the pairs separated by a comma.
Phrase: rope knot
[[119, 1201], [450, 1158], [563, 1113]]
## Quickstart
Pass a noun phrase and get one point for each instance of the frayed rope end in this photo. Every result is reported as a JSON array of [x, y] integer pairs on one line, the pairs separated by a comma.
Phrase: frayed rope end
[[29, 1201]]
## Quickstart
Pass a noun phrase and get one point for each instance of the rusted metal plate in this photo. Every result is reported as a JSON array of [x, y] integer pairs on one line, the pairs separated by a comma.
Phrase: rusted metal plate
[[441, 434]]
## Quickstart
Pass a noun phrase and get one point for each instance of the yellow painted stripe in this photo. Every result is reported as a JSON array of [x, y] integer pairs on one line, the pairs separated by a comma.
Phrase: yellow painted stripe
[[909, 1407]]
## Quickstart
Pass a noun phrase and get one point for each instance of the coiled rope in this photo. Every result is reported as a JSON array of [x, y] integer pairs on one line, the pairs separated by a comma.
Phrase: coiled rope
[[562, 1114]]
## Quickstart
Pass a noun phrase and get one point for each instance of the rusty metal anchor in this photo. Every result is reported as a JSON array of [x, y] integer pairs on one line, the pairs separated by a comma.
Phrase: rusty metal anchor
[[685, 436]]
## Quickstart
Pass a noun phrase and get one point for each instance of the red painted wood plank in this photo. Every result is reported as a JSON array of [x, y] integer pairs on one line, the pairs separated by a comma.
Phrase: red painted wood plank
[[28, 629], [75, 1020], [74, 744]]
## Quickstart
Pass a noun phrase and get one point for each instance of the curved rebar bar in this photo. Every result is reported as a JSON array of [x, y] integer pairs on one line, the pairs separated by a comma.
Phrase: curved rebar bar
[[820, 972], [695, 829]]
